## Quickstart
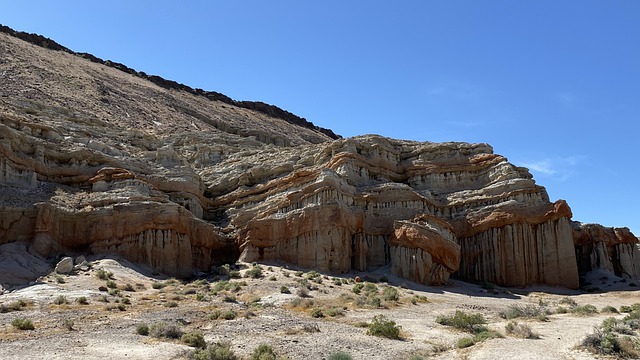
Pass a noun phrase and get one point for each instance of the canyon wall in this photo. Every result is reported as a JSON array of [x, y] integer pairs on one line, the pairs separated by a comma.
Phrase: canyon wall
[[94, 160]]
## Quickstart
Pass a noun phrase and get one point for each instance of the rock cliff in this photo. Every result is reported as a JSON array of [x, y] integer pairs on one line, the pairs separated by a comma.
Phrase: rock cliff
[[95, 159]]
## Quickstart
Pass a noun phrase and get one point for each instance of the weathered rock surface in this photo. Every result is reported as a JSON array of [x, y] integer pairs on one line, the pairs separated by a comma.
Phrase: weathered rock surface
[[605, 248], [65, 265], [94, 160]]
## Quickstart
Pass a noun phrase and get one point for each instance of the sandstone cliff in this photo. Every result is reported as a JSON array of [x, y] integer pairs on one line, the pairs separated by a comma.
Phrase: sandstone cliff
[[97, 160]]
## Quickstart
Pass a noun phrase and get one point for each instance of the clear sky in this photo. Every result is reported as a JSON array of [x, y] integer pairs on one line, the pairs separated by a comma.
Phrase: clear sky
[[551, 85]]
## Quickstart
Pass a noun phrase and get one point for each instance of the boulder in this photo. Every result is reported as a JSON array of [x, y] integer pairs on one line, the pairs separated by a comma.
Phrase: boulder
[[64, 266]]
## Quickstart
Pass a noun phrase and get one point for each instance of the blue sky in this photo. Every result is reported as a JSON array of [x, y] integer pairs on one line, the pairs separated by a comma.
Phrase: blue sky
[[551, 85]]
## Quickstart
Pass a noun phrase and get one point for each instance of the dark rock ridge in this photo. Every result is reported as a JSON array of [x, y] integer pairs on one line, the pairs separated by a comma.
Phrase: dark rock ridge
[[94, 160]]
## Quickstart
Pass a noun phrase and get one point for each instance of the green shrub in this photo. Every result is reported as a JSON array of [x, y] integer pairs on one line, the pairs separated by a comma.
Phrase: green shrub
[[158, 285], [60, 300], [340, 355], [104, 275], [234, 274], [460, 320], [334, 311], [82, 300], [59, 279], [584, 310], [255, 272], [263, 352], [527, 311], [111, 284], [228, 314], [357, 288], [217, 351], [194, 339], [285, 290], [609, 309], [22, 324], [142, 329], [128, 287], [390, 294], [568, 301], [164, 330], [316, 313], [465, 342], [384, 327]]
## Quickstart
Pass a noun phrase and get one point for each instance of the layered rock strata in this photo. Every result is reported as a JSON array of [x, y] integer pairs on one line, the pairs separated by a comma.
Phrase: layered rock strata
[[605, 248], [94, 160]]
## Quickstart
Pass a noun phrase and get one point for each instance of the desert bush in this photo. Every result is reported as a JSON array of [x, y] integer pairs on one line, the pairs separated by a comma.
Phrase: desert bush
[[520, 330], [609, 309], [104, 275], [255, 272], [59, 279], [22, 324], [316, 312], [605, 339], [164, 330], [13, 306], [229, 298], [158, 285], [122, 307], [311, 328], [60, 300], [527, 311], [357, 288], [217, 351], [194, 339], [111, 284], [125, 301], [390, 294], [340, 355], [473, 323], [584, 310], [228, 314], [234, 274], [302, 292], [334, 311], [142, 329], [82, 300], [568, 302], [263, 352], [384, 327], [128, 287], [285, 290], [465, 342]]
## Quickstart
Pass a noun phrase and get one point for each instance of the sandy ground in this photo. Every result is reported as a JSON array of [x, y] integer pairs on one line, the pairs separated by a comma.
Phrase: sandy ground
[[265, 315]]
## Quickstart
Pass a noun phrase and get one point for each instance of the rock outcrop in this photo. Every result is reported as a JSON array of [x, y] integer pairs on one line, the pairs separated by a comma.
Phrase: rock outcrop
[[94, 160], [612, 249]]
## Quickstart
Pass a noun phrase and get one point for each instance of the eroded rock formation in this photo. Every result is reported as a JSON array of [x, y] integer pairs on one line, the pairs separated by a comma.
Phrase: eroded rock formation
[[94, 160]]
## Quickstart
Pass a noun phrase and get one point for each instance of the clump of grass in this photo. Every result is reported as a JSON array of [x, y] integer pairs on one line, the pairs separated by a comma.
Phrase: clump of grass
[[285, 290], [465, 342], [142, 329], [609, 309], [520, 330], [104, 275], [82, 300], [22, 324], [158, 285], [194, 339], [255, 272], [111, 284], [217, 351], [390, 294], [316, 312], [383, 327], [263, 352], [340, 355], [128, 287], [60, 300], [528, 311], [461, 320], [228, 314], [568, 302], [584, 310], [17, 305], [234, 274], [302, 292], [164, 330]]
